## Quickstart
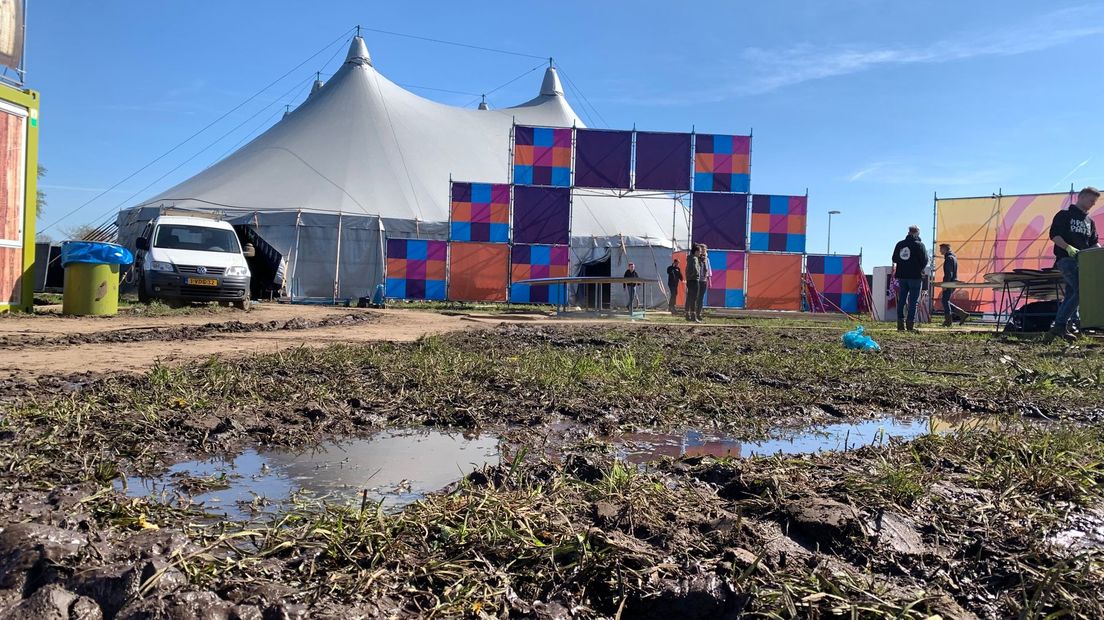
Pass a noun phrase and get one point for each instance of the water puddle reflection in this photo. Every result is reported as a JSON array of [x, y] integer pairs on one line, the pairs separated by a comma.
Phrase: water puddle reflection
[[395, 468]]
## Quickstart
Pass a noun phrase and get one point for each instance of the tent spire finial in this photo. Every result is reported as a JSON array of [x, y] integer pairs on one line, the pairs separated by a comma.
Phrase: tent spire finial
[[358, 30], [551, 85], [358, 52], [483, 104], [551, 63]]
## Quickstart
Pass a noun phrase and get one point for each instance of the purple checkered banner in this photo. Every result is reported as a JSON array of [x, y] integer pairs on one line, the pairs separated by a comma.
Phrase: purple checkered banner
[[542, 215], [663, 161], [720, 220], [602, 158]]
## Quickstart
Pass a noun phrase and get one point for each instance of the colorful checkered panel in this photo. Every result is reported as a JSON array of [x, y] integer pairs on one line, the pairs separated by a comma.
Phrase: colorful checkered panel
[[722, 163], [542, 156], [416, 269], [720, 220], [480, 212], [778, 223], [537, 261], [726, 283], [836, 280]]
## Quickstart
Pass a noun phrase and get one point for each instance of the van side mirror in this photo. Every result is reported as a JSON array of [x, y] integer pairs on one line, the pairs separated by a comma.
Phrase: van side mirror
[[142, 244], [249, 251]]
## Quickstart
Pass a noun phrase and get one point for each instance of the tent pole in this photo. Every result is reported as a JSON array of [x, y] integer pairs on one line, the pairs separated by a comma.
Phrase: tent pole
[[295, 261], [337, 263], [931, 277], [382, 256]]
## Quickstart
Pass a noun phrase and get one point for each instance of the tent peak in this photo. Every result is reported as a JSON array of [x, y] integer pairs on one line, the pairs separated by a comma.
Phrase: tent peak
[[358, 52], [483, 105], [551, 85], [317, 86]]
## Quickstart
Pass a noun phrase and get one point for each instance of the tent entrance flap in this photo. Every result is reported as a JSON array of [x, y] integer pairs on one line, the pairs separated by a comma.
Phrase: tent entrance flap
[[594, 296], [268, 265]]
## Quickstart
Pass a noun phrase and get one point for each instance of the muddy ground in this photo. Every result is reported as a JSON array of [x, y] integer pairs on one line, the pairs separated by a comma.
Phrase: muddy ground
[[969, 525], [54, 345]]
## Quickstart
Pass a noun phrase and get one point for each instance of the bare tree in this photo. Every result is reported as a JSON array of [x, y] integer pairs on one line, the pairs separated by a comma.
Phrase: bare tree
[[40, 197], [79, 232]]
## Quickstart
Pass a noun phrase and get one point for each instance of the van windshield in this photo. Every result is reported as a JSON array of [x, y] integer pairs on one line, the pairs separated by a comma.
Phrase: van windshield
[[197, 238]]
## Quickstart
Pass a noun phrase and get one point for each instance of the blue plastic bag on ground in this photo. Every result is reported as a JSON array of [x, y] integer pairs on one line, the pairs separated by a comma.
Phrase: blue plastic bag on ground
[[856, 339], [94, 252]]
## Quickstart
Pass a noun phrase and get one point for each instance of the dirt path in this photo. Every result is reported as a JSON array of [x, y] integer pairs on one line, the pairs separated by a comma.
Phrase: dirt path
[[37, 358]]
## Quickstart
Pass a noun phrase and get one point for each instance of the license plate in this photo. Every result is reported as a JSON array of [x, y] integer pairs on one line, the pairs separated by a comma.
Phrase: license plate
[[202, 281]]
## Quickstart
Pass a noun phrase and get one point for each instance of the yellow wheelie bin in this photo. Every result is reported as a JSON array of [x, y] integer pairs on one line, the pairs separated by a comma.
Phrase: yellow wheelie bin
[[1090, 265], [92, 277]]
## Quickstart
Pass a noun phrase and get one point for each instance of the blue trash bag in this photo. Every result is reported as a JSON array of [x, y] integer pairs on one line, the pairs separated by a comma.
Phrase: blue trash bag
[[377, 297], [94, 252], [856, 339]]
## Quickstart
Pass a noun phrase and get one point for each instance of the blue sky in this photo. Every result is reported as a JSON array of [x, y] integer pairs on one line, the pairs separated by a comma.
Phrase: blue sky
[[872, 106]]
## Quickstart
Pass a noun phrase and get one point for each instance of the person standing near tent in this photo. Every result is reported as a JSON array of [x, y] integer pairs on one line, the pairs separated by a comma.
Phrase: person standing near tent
[[674, 276], [910, 259], [631, 273], [704, 273], [1072, 231], [951, 312], [693, 266]]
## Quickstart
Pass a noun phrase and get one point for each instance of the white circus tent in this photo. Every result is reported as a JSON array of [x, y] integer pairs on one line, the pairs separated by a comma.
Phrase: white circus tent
[[362, 159]]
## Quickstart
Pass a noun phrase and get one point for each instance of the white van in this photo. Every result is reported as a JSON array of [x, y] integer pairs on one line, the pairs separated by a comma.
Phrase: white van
[[182, 259]]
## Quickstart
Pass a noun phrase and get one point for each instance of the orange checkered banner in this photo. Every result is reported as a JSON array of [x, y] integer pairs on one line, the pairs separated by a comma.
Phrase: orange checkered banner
[[542, 156], [836, 281], [773, 281], [529, 262], [416, 269], [478, 271], [480, 212], [722, 163], [997, 233], [778, 223], [726, 282]]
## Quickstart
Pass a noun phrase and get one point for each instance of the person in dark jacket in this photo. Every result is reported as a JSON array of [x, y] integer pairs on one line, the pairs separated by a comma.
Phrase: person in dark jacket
[[674, 277], [910, 260], [693, 266], [631, 273], [1072, 231], [951, 312]]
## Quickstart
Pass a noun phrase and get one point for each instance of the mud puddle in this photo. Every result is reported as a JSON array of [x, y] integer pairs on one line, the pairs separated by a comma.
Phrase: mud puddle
[[395, 468], [1083, 532], [643, 447]]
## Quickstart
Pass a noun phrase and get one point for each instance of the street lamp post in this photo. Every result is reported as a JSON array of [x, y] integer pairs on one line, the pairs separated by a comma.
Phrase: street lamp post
[[830, 214]]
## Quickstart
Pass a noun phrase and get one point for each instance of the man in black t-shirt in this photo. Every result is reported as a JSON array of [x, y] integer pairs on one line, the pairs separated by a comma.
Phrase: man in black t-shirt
[[1072, 231], [910, 261], [674, 277]]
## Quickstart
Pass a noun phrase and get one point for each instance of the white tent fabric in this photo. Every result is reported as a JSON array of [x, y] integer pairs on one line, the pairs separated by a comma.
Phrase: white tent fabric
[[360, 145]]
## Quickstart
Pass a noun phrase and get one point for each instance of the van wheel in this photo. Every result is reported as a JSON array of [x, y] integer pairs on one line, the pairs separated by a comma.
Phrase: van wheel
[[242, 305], [143, 294]]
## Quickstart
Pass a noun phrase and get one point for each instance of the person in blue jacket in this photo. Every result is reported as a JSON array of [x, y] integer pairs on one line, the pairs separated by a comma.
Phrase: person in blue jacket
[[910, 260]]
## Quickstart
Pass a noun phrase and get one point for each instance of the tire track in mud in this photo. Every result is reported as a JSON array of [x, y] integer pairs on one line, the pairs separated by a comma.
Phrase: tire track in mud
[[183, 332]]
